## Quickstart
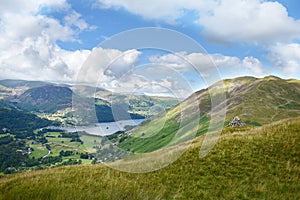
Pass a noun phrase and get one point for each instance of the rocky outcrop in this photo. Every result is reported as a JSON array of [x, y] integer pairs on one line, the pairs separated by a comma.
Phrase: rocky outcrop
[[236, 122]]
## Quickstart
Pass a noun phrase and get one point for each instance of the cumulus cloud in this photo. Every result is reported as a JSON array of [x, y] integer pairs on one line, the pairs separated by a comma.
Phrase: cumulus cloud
[[105, 65], [169, 10], [30, 6], [253, 64], [248, 21], [286, 57], [28, 48], [122, 64], [165, 79], [74, 20], [119, 72], [39, 59], [204, 63]]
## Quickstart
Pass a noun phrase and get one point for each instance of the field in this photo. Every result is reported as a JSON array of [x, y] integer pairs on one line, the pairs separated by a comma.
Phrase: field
[[260, 163], [58, 144]]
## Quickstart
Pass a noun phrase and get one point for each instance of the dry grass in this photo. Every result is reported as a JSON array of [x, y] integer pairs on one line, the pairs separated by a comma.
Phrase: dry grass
[[262, 163]]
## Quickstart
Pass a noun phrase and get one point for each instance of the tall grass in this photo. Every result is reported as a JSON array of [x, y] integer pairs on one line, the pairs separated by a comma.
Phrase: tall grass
[[261, 163]]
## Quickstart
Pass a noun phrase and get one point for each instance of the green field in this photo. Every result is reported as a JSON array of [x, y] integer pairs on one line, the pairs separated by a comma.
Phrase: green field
[[89, 141], [38, 151], [58, 144], [260, 163]]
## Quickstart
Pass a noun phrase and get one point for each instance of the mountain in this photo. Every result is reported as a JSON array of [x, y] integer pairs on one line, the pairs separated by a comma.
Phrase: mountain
[[257, 101], [136, 104], [11, 83], [54, 101], [262, 163], [261, 101], [47, 98], [259, 160]]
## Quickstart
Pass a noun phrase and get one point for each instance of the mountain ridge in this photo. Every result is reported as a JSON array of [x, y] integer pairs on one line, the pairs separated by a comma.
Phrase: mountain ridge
[[55, 101], [257, 101]]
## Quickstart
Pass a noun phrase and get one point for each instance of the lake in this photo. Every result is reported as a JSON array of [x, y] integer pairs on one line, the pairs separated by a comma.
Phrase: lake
[[102, 129]]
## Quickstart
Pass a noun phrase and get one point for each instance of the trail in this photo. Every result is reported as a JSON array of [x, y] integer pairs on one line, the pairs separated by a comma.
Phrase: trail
[[45, 156]]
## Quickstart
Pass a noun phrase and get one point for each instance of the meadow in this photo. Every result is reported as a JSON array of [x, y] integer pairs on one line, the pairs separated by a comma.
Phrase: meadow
[[257, 163]]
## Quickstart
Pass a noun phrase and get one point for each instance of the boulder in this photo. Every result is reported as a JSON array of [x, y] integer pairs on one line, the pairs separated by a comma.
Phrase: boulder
[[236, 122]]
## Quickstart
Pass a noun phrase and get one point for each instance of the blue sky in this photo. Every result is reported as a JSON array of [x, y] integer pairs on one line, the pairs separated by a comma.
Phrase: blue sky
[[53, 39]]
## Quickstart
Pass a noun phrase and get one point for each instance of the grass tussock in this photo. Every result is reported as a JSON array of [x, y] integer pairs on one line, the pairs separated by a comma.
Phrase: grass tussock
[[261, 163]]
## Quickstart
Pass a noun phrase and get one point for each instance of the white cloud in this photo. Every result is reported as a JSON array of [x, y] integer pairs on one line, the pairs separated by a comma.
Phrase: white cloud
[[165, 79], [28, 48], [248, 21], [37, 59], [105, 65], [204, 63], [30, 6], [123, 63], [207, 61], [176, 61], [118, 71], [253, 64], [74, 20], [286, 57], [168, 10]]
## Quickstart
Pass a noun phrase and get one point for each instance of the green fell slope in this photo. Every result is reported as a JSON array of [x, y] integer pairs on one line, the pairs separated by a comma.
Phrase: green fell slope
[[257, 101], [261, 101], [261, 163]]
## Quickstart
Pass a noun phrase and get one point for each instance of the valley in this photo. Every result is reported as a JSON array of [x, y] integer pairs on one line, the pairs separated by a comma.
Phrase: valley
[[27, 108], [262, 162], [150, 100], [41, 147]]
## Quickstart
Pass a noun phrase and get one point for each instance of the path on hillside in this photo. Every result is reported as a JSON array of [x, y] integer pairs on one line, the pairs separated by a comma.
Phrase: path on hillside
[[45, 156]]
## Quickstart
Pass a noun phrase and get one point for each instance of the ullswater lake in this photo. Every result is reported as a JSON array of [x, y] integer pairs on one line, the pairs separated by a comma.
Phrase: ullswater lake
[[101, 129]]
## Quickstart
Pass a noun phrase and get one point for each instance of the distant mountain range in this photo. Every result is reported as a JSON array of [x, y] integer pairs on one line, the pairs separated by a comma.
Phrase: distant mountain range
[[263, 161], [49, 99], [25, 107], [257, 101]]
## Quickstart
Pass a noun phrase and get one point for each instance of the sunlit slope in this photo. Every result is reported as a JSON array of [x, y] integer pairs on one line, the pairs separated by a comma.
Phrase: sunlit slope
[[261, 101], [256, 101]]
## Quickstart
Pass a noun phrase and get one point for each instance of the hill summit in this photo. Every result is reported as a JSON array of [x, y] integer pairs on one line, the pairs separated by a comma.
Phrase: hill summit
[[48, 98], [258, 101]]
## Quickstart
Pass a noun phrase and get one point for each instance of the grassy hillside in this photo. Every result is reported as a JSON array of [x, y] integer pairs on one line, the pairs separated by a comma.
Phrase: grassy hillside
[[257, 101], [261, 163], [261, 101], [48, 98]]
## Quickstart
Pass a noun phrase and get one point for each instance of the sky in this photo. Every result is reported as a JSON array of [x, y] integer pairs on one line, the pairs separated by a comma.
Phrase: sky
[[62, 41]]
